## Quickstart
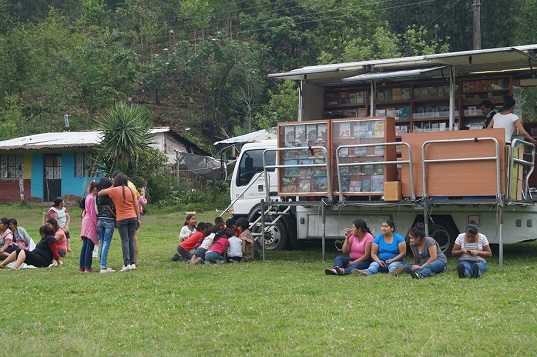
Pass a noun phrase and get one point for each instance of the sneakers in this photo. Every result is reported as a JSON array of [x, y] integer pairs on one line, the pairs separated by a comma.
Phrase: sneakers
[[90, 270], [460, 270], [175, 258], [124, 268], [107, 270], [132, 266], [475, 271], [411, 272], [359, 272], [220, 262], [398, 269]]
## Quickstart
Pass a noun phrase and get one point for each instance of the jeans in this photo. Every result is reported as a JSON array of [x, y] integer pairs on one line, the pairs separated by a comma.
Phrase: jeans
[[126, 229], [438, 266], [468, 267], [211, 256], [106, 231], [375, 267], [200, 252], [342, 262], [85, 253]]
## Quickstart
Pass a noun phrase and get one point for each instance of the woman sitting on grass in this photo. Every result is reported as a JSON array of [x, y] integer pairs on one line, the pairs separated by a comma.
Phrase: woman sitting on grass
[[472, 246], [59, 235], [20, 237], [428, 258], [388, 252], [41, 256], [184, 247], [358, 241], [7, 244], [218, 250]]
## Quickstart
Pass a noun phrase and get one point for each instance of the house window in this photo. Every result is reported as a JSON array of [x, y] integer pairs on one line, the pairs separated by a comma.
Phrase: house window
[[84, 165], [11, 166]]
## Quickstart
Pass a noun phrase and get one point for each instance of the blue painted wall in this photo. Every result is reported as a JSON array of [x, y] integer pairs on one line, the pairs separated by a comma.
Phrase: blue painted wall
[[71, 185]]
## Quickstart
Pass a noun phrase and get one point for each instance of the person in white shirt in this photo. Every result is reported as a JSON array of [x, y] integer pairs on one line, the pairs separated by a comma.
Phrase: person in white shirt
[[509, 121]]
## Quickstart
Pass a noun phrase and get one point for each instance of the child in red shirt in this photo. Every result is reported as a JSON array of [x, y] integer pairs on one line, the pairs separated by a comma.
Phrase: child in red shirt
[[184, 248]]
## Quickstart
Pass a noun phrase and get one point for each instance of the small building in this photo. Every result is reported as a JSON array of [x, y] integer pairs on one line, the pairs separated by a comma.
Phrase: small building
[[43, 166]]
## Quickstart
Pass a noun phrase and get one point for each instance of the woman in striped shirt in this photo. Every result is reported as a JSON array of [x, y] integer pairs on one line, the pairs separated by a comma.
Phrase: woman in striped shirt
[[472, 246]]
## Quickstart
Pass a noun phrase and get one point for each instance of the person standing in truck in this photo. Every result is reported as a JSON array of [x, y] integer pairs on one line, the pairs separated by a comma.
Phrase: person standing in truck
[[509, 121], [487, 109]]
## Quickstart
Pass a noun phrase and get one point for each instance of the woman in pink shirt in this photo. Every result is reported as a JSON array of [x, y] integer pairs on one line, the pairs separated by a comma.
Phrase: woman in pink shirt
[[219, 248], [358, 241], [89, 233]]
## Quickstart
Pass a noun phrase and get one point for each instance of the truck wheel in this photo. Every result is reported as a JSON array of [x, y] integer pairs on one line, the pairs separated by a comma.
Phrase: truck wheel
[[276, 236], [444, 232]]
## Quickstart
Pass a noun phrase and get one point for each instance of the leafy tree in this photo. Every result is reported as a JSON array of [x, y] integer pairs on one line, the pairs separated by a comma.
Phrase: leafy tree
[[126, 138]]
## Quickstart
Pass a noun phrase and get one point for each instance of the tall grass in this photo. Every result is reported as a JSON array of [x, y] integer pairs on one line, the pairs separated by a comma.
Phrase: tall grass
[[284, 306]]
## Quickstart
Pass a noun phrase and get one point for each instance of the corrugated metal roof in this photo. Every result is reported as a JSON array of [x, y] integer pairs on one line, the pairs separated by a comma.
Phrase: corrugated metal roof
[[60, 140], [463, 62]]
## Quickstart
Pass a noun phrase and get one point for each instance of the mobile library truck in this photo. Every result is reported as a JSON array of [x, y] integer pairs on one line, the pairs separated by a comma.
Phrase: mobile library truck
[[399, 138]]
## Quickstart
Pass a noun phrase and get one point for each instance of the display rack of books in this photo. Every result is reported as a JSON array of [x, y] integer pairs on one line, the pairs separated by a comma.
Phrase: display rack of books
[[420, 106], [346, 103], [362, 177], [306, 173], [475, 91]]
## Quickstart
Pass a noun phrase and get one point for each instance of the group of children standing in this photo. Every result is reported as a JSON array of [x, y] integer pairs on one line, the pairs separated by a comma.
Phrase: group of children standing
[[223, 242]]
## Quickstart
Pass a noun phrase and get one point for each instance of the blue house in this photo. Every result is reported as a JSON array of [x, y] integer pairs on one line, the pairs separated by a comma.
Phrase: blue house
[[44, 166]]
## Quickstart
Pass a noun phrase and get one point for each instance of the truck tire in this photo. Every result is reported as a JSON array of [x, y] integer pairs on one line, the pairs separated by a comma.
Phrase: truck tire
[[443, 230], [276, 236]]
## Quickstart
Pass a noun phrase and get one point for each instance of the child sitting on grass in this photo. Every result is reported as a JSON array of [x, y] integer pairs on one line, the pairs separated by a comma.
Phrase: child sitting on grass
[[184, 248], [248, 243], [219, 222], [199, 255], [188, 228], [218, 250], [234, 250]]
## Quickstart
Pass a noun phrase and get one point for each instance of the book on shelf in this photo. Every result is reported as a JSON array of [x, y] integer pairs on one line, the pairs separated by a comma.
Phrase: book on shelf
[[290, 171], [379, 169], [377, 180], [288, 185], [320, 183], [289, 134], [380, 112], [388, 95], [378, 129], [344, 152], [304, 185], [369, 170], [312, 132], [322, 132], [355, 170], [360, 151], [300, 134], [361, 97], [366, 185], [345, 183], [344, 130], [379, 150], [319, 171], [352, 98], [380, 96], [362, 112], [351, 113], [396, 94], [304, 169], [319, 159], [405, 112], [405, 93], [355, 185]]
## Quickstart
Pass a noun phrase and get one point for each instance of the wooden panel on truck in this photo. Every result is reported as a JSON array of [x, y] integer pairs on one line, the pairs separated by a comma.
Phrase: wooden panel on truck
[[454, 179]]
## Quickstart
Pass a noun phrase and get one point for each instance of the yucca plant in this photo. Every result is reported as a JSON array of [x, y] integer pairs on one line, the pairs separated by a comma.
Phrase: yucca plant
[[125, 138]]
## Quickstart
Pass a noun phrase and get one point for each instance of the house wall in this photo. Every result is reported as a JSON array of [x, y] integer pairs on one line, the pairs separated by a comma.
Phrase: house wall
[[168, 145], [70, 186]]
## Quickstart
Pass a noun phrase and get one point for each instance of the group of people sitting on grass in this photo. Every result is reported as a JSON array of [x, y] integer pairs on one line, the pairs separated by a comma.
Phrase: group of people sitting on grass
[[369, 255], [225, 242]]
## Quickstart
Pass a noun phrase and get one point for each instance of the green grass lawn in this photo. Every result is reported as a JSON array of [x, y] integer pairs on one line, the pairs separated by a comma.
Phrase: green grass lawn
[[284, 306]]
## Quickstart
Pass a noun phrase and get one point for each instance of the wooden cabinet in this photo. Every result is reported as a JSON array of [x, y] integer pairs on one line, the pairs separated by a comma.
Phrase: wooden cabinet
[[362, 177], [455, 178], [420, 106], [301, 177]]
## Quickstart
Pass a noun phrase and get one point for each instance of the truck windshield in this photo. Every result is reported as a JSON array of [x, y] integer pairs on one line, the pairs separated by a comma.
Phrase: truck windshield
[[252, 163]]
